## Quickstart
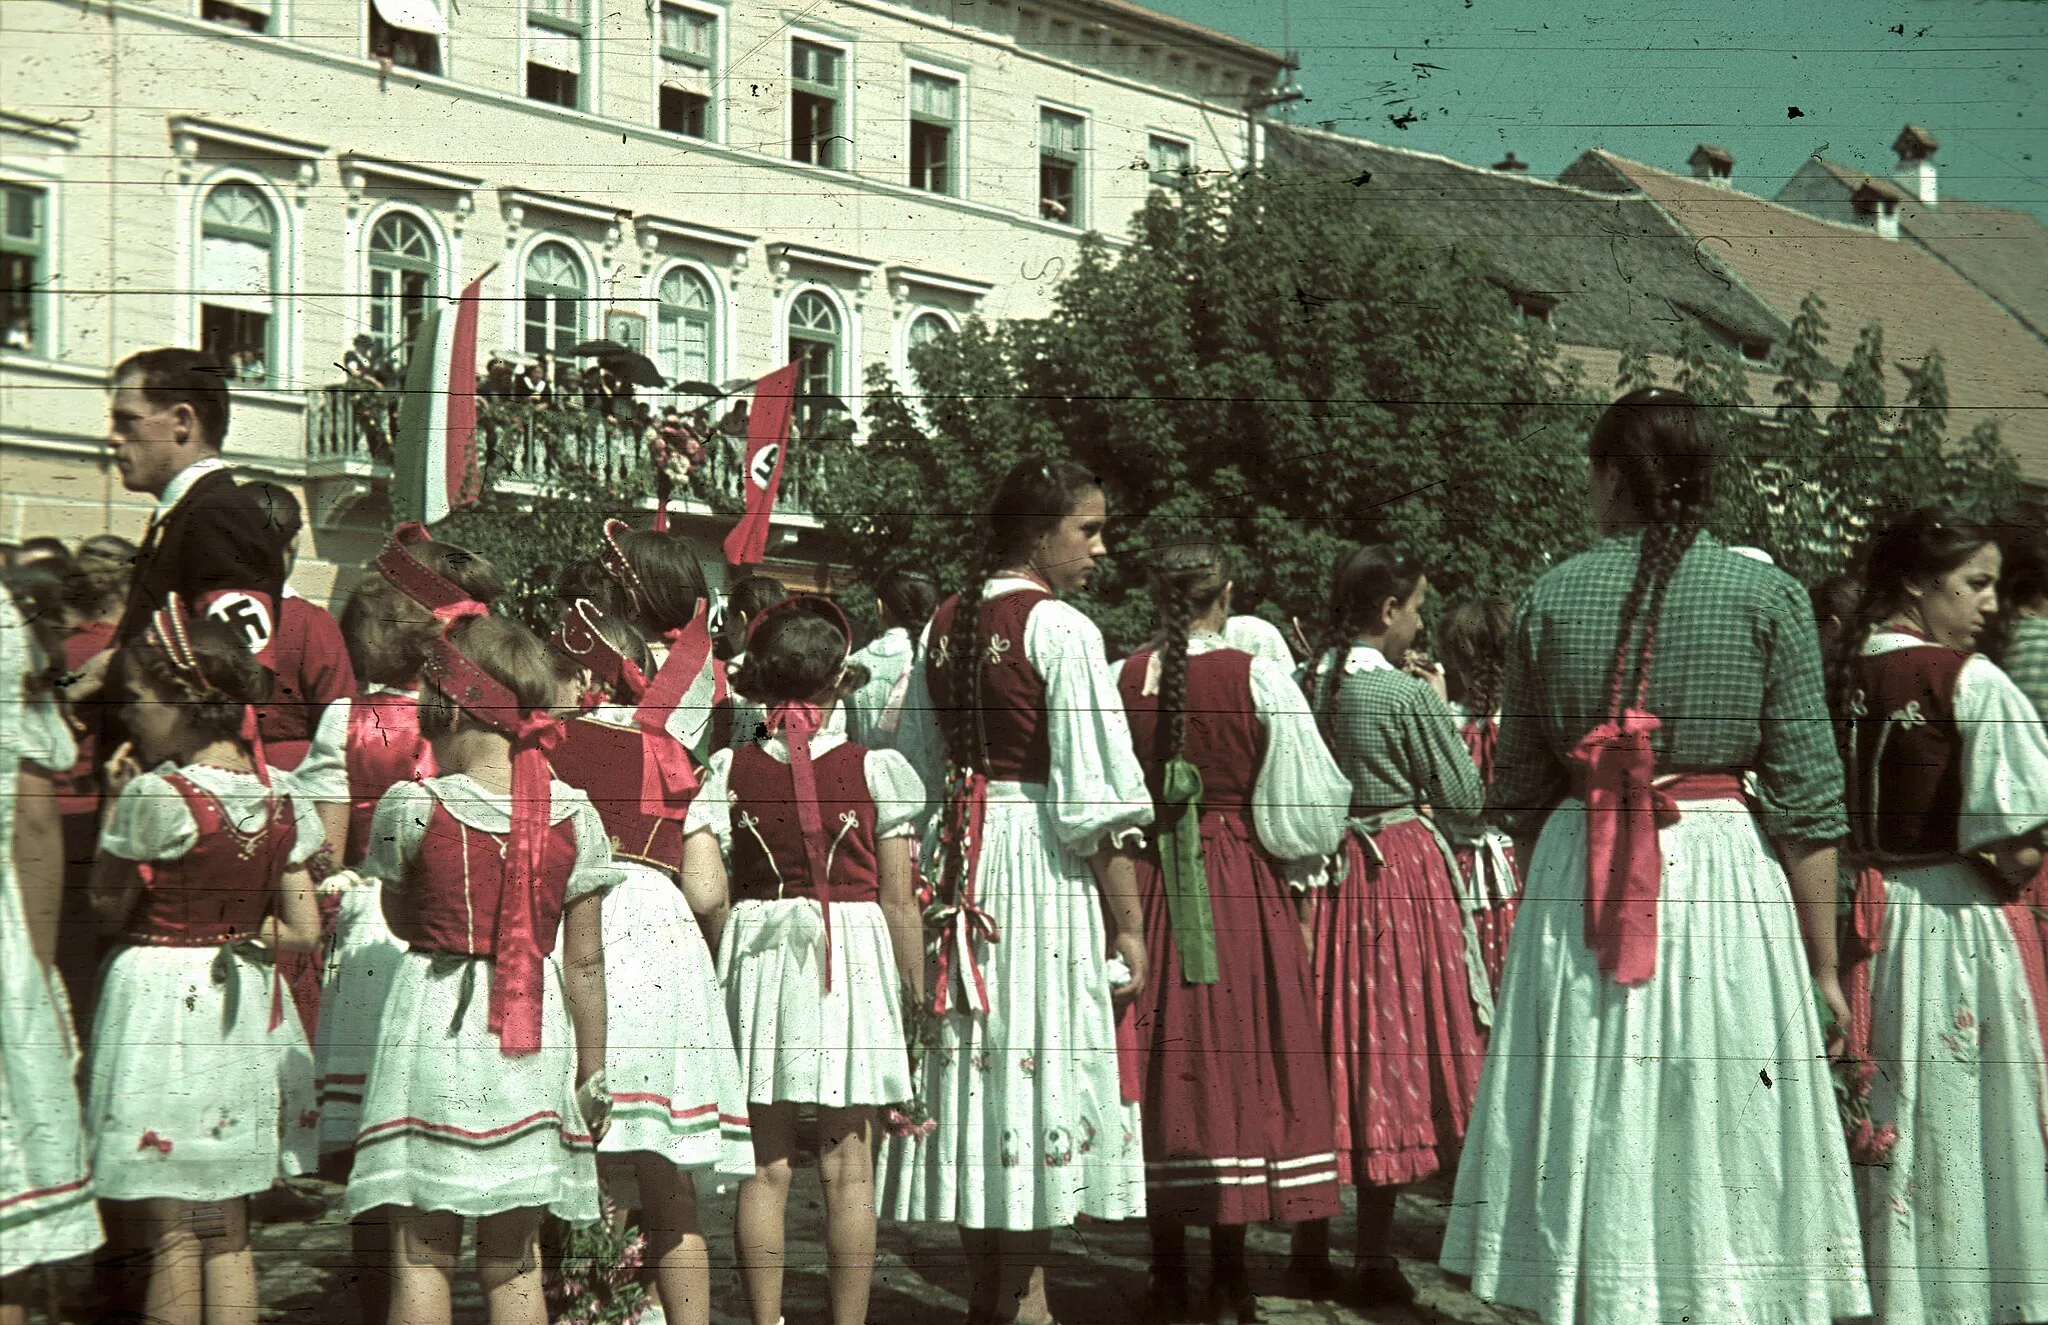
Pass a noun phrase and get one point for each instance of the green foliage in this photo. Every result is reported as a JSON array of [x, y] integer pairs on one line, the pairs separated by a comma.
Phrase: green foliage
[[1633, 373], [1258, 367]]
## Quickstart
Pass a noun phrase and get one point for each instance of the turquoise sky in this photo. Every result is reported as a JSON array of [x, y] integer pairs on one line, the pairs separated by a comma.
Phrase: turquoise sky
[[1473, 79]]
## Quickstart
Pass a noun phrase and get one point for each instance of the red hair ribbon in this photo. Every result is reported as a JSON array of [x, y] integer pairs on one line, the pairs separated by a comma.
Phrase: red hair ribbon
[[411, 577], [667, 778], [960, 920], [578, 637], [516, 983]]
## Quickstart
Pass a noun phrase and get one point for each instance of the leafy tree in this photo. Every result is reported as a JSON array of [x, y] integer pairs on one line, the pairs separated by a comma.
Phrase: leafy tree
[[1257, 367], [1633, 372]]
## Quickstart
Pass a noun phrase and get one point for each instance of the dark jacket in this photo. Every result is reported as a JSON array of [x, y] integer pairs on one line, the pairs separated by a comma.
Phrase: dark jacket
[[217, 538]]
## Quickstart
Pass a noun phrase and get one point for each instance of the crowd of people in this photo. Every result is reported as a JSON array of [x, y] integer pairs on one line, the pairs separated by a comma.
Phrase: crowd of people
[[1693, 921]]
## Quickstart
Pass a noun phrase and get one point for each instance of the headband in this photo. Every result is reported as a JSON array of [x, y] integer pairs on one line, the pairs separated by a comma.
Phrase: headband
[[170, 633], [619, 570], [411, 577], [578, 637], [796, 721], [515, 1009]]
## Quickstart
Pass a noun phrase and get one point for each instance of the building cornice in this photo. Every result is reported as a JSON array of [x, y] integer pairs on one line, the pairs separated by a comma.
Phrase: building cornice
[[187, 131], [13, 124], [405, 172]]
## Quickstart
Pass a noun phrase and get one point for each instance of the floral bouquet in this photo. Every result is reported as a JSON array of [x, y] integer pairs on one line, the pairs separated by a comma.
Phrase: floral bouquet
[[596, 1279]]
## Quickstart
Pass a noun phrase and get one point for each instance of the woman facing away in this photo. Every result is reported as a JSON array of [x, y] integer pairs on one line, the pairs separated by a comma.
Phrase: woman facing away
[[1656, 1136], [1948, 797], [1046, 803], [874, 713]]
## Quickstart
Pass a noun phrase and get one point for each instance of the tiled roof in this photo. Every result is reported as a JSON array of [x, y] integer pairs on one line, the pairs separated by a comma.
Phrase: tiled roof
[[1996, 366], [1859, 180], [1622, 272], [2001, 251]]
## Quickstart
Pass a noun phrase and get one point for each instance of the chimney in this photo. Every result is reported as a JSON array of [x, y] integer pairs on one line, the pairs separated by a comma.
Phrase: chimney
[[1879, 200], [1916, 148], [1511, 163], [1329, 126], [1713, 163]]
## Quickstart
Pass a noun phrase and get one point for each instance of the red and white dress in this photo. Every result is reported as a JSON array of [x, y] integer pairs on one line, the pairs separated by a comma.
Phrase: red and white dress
[[801, 1039], [669, 1060], [195, 1095], [450, 1121], [1950, 757], [1492, 880], [1238, 1113], [362, 748]]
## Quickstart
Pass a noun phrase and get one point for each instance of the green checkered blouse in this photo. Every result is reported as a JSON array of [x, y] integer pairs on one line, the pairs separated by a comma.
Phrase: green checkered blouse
[[1397, 742], [1736, 679], [2026, 658]]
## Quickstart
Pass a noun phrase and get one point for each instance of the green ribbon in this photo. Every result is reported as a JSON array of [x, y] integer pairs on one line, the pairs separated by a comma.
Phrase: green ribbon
[[1186, 874]]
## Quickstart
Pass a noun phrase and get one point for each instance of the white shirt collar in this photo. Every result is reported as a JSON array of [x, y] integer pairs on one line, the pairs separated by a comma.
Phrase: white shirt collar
[[181, 483], [1883, 641]]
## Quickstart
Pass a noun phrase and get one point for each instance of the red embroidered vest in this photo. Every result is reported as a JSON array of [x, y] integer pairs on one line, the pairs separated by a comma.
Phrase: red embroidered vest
[[603, 760], [457, 877], [220, 890], [1907, 791], [1012, 691], [768, 860], [1223, 737], [384, 749]]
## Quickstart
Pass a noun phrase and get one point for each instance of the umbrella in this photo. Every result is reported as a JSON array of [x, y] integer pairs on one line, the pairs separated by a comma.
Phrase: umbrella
[[823, 400], [597, 349], [696, 388], [634, 366]]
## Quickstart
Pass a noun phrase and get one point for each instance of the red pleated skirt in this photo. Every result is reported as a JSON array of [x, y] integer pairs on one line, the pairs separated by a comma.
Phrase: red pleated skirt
[[1237, 1110], [1494, 923], [1404, 1048]]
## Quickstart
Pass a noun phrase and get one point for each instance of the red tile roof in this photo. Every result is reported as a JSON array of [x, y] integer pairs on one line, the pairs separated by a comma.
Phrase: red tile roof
[[1996, 367]]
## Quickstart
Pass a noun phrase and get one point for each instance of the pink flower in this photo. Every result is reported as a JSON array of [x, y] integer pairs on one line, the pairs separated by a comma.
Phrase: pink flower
[[1965, 1019], [1899, 1205], [151, 1141]]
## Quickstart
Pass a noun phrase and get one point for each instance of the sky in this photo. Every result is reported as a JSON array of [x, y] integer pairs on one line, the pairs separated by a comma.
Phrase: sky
[[1774, 81]]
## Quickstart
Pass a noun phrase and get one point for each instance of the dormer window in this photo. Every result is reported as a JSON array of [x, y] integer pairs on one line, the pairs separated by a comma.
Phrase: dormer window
[[1531, 306]]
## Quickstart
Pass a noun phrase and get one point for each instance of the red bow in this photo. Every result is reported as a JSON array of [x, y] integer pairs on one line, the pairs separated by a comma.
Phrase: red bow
[[1624, 860], [960, 921], [667, 779], [796, 722], [515, 1008], [151, 1141]]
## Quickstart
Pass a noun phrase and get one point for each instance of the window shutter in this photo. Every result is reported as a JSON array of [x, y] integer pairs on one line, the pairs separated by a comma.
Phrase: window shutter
[[235, 273], [556, 50], [414, 15]]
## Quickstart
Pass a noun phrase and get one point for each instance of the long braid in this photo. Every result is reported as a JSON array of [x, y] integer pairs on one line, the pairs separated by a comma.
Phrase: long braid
[[1176, 611]]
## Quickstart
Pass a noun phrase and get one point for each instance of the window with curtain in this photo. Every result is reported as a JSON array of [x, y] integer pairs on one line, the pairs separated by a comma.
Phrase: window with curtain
[[817, 116], [403, 271], [555, 31], [249, 15], [24, 268], [683, 332], [555, 298], [689, 52], [238, 280], [934, 131], [814, 344], [1168, 160], [1061, 140], [408, 33]]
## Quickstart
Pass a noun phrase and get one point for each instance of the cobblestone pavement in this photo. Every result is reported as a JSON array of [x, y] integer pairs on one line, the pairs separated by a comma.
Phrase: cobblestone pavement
[[1097, 1276]]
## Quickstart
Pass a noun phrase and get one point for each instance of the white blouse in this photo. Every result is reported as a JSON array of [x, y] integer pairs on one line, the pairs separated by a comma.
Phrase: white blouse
[[150, 820], [400, 826], [323, 774], [2005, 749], [893, 785], [1098, 787], [1261, 639], [885, 657]]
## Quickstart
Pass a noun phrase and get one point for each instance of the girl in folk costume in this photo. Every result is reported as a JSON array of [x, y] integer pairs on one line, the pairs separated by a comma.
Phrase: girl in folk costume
[[362, 747], [823, 939], [1404, 997], [1238, 1111], [482, 1101], [1655, 1138], [1045, 812], [678, 1103], [874, 713], [1948, 797], [46, 1208], [1472, 639], [201, 1083]]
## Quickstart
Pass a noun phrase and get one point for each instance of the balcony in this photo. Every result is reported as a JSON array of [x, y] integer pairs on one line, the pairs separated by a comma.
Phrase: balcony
[[349, 432]]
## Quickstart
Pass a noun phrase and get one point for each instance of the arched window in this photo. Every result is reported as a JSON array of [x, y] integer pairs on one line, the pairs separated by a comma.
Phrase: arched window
[[683, 338], [554, 299], [402, 279], [926, 328], [238, 280], [814, 344]]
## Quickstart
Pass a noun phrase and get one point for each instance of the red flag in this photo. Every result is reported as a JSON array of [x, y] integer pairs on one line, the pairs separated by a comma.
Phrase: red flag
[[767, 440]]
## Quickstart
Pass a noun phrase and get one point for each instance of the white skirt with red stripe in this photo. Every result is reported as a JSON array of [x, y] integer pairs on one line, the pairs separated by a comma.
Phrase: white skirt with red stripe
[[365, 957], [46, 1207], [451, 1122]]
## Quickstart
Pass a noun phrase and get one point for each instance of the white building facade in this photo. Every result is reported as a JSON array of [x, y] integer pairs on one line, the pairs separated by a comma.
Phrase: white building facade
[[724, 186]]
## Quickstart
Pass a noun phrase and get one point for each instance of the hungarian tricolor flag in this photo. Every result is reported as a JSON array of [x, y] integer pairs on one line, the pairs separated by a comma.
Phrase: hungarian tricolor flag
[[767, 440], [434, 456]]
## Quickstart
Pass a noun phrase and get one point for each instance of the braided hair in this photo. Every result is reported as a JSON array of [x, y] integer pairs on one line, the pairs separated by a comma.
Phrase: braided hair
[[1360, 585], [1472, 639], [1920, 544], [1653, 441], [213, 702], [1186, 580]]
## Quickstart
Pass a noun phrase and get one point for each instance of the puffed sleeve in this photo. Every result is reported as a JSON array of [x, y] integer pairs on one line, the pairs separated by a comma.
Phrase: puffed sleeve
[[714, 799], [1442, 767], [1098, 787], [396, 831], [1799, 771], [594, 872], [323, 774], [2005, 758], [311, 834], [1528, 780], [149, 822], [1301, 799], [46, 739], [897, 791]]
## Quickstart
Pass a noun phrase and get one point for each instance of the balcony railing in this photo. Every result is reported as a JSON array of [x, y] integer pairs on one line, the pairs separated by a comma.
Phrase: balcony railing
[[352, 428]]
